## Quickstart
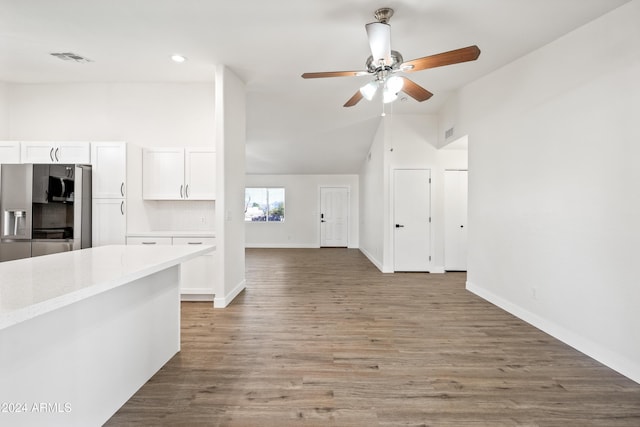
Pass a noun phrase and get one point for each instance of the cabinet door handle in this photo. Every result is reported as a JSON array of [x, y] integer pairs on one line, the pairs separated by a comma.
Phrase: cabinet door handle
[[194, 243], [186, 191], [149, 243], [122, 189], [122, 207], [181, 192], [57, 159], [51, 154]]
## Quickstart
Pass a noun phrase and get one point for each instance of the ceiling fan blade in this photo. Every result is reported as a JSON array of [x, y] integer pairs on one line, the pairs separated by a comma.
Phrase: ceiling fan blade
[[354, 99], [379, 35], [334, 74], [469, 53], [414, 90]]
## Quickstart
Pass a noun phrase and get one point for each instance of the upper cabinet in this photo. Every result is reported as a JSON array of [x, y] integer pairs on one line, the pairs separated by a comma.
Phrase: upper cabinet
[[109, 160], [55, 152], [200, 173], [9, 152], [179, 174]]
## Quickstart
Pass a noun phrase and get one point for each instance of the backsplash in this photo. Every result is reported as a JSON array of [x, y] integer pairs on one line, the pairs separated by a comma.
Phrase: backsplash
[[179, 215]]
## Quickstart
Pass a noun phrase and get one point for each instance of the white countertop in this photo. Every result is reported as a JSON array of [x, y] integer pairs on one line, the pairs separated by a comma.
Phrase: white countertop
[[33, 286], [172, 234]]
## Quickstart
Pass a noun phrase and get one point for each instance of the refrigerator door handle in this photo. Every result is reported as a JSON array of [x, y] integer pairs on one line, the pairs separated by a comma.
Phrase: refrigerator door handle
[[51, 154]]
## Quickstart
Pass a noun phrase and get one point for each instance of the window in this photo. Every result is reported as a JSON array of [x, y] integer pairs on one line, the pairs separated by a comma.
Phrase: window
[[264, 204]]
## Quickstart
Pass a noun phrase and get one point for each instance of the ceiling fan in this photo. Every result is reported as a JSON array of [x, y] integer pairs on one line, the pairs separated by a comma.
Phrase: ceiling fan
[[384, 63]]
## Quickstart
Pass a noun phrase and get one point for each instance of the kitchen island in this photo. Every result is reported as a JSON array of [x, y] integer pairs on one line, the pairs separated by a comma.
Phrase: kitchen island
[[82, 331]]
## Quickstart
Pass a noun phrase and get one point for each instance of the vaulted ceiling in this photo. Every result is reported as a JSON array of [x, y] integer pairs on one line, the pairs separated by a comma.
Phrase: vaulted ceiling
[[293, 125]]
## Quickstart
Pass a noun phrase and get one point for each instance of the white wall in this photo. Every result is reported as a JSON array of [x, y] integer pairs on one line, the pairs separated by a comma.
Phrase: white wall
[[142, 114], [554, 145], [301, 228], [373, 198], [230, 131], [4, 111], [403, 142]]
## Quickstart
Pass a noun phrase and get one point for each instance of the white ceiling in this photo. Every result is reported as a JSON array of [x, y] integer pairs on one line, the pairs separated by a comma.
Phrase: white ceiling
[[293, 125]]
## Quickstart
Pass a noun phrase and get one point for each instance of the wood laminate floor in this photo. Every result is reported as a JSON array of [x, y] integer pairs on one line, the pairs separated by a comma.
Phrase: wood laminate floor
[[321, 338]]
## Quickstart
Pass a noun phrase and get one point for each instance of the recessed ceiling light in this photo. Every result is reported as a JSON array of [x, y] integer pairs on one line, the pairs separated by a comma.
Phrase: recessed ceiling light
[[178, 58]]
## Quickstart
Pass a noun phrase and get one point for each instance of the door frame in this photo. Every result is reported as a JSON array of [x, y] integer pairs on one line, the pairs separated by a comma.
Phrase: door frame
[[392, 219], [319, 211]]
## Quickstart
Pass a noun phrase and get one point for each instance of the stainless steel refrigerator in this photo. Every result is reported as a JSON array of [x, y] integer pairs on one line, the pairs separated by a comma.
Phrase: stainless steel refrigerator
[[45, 209]]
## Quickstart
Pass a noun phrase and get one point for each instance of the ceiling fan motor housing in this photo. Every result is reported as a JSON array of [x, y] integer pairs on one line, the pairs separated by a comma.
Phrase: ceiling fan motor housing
[[396, 61]]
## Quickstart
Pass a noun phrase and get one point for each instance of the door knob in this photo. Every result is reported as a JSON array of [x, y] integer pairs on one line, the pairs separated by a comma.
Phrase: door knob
[[462, 226], [399, 225]]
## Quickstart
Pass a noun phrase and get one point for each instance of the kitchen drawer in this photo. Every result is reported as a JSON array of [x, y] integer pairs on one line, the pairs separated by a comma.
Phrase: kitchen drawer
[[148, 240], [194, 240]]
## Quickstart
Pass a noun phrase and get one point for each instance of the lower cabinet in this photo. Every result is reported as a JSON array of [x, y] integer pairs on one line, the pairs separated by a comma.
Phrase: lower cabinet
[[197, 275]]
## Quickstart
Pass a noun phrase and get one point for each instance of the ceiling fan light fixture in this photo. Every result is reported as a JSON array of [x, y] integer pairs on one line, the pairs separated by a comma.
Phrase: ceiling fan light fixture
[[394, 84], [389, 96], [369, 90]]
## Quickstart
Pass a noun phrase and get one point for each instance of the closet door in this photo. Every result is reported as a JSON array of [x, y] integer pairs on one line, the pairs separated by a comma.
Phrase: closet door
[[455, 220]]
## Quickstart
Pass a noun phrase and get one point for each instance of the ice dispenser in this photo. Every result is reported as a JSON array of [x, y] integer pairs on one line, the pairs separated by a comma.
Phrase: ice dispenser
[[15, 224]]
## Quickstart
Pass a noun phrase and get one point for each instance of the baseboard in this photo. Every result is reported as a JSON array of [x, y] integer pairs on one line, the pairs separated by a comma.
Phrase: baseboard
[[281, 245], [618, 363], [438, 269], [226, 300], [196, 297], [371, 258]]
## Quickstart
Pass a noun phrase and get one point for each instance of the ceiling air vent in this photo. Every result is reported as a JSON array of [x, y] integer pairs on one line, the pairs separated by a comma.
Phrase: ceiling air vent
[[70, 56], [448, 133]]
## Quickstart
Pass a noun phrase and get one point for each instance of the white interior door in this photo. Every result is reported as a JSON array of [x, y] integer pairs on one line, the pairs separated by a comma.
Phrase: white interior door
[[455, 220], [412, 216], [334, 216]]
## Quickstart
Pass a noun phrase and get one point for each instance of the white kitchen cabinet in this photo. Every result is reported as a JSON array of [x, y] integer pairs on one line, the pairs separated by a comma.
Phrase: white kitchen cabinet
[[109, 162], [200, 174], [151, 240], [109, 183], [55, 152], [163, 173], [109, 222], [178, 174], [197, 276], [9, 152]]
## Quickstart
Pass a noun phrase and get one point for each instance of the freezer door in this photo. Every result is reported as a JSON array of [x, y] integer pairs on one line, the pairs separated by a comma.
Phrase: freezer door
[[39, 247], [10, 251], [82, 207]]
